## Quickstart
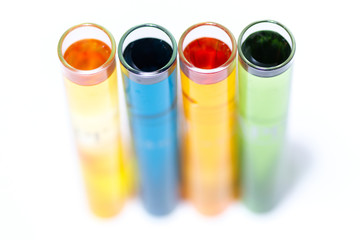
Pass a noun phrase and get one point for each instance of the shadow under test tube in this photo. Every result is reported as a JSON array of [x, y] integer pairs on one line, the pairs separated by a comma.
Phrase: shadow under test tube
[[266, 51], [87, 53], [147, 55], [207, 59]]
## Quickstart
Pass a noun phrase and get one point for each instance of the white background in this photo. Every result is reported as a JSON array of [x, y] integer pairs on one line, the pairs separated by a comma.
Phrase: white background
[[41, 188]]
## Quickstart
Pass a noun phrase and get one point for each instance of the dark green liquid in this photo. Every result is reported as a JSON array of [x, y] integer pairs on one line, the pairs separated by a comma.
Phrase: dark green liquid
[[266, 49], [148, 54]]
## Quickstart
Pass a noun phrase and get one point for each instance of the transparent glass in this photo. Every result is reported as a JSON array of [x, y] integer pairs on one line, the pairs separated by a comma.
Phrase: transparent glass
[[209, 122], [152, 107], [262, 111], [94, 110]]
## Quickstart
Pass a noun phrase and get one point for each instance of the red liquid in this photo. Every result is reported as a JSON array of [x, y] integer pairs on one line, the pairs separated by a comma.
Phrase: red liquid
[[207, 53], [87, 54]]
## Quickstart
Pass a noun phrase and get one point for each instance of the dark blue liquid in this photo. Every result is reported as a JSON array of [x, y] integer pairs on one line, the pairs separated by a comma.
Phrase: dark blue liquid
[[148, 54]]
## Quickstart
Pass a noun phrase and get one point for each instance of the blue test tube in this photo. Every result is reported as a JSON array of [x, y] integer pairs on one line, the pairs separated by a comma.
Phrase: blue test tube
[[147, 56]]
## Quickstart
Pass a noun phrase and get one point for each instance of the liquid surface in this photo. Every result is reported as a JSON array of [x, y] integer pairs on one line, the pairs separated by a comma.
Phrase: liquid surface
[[207, 53], [148, 54], [266, 49], [87, 54]]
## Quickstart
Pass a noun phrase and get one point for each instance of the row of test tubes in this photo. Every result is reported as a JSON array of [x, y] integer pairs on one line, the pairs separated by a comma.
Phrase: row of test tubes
[[218, 138]]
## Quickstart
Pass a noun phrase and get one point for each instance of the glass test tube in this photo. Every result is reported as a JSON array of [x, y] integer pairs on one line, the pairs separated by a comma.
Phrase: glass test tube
[[147, 55], [266, 50], [87, 53], [207, 59]]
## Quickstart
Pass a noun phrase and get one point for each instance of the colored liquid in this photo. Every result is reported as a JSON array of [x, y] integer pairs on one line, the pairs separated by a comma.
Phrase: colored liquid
[[266, 48], [87, 54], [153, 120], [148, 54], [208, 138], [208, 141], [262, 112], [207, 53], [94, 113]]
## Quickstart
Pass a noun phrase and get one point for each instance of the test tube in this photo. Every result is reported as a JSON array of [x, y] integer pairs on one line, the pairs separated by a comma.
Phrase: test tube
[[87, 56], [208, 72], [147, 55], [266, 50]]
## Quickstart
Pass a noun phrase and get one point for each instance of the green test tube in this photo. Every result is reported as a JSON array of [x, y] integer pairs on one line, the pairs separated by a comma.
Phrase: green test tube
[[266, 51]]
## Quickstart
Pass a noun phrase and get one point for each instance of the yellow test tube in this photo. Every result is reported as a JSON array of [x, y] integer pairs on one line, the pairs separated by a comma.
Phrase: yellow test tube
[[208, 73], [87, 56]]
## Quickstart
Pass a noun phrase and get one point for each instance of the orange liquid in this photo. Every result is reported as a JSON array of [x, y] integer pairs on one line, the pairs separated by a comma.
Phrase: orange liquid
[[87, 54], [208, 139]]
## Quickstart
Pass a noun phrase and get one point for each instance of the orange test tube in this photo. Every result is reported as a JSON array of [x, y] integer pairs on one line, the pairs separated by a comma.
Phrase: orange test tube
[[87, 55], [208, 77]]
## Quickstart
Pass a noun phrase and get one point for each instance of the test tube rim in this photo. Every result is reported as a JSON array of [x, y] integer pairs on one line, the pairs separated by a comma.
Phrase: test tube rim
[[149, 75], [104, 66], [225, 65], [266, 71]]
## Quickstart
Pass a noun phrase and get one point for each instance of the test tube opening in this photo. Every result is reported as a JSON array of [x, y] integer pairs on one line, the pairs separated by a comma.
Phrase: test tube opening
[[90, 32], [86, 31], [266, 48], [147, 49], [204, 34]]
